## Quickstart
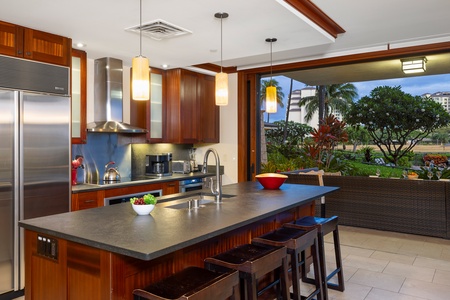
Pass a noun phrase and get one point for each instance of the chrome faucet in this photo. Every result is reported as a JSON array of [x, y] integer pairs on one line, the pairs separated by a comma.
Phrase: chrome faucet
[[217, 191]]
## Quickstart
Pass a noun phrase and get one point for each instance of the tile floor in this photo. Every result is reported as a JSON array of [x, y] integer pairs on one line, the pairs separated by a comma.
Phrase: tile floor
[[380, 265]]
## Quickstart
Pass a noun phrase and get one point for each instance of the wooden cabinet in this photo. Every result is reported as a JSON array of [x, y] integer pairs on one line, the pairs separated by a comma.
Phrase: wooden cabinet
[[191, 114], [92, 199], [171, 187], [78, 92], [33, 44], [209, 111], [85, 200], [150, 114]]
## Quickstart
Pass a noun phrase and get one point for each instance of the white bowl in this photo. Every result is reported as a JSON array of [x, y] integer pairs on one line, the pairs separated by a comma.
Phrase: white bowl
[[143, 209]]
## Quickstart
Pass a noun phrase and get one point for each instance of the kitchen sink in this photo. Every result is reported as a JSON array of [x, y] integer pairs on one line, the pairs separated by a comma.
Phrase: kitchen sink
[[194, 201]]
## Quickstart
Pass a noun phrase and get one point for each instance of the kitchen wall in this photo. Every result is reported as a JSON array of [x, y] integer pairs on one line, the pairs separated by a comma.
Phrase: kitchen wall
[[101, 148], [129, 159]]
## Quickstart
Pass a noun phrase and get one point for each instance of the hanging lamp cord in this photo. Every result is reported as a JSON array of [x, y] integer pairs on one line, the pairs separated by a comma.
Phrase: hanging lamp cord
[[221, 44], [271, 62], [140, 28]]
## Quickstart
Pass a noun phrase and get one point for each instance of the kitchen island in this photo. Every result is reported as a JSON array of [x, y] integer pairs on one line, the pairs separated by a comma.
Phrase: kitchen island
[[106, 252]]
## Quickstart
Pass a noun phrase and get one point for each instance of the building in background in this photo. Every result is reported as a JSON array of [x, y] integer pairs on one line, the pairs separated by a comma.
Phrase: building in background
[[441, 98], [297, 113]]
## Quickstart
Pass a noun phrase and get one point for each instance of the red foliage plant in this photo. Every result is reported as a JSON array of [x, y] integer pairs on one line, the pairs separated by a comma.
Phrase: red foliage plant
[[331, 131], [438, 159]]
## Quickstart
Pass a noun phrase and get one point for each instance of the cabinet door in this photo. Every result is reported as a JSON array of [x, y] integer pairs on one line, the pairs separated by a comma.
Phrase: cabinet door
[[156, 106], [172, 187], [47, 47], [172, 113], [86, 200], [78, 92], [150, 114], [189, 107], [209, 111], [11, 39]]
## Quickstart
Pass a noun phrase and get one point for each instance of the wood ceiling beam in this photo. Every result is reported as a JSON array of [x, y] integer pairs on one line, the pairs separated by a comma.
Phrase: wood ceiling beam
[[316, 15]]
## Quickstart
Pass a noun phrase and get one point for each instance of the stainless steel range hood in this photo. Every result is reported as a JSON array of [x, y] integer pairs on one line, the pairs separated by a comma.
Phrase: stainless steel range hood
[[108, 102]]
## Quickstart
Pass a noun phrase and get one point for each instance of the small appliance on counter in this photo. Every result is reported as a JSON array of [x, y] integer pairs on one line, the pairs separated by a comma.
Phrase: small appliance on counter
[[76, 163], [112, 175], [158, 164], [192, 159], [181, 166]]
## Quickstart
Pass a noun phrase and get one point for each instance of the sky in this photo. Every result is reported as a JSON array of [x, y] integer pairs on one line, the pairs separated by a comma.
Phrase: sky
[[415, 86]]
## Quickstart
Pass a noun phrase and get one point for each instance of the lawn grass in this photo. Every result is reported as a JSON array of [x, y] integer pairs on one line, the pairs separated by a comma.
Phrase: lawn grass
[[365, 169]]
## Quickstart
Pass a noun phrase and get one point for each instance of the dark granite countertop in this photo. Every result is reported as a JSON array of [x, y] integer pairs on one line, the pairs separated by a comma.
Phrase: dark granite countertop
[[87, 187], [118, 229]]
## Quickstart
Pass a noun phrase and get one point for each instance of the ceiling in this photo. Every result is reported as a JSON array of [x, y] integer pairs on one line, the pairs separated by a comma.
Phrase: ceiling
[[369, 26]]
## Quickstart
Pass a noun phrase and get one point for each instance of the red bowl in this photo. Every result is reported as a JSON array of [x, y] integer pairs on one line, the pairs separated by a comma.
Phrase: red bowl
[[271, 181]]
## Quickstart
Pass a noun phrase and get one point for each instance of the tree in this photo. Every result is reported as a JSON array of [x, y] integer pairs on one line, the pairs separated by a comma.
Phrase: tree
[[336, 97], [295, 134], [442, 136], [357, 135], [280, 94], [397, 121]]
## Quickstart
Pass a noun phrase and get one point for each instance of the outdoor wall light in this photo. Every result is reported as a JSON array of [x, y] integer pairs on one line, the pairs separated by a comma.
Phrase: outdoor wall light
[[140, 84], [414, 65], [221, 78], [271, 91]]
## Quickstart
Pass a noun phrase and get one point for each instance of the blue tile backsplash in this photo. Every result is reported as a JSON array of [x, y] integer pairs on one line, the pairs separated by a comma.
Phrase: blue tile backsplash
[[129, 159]]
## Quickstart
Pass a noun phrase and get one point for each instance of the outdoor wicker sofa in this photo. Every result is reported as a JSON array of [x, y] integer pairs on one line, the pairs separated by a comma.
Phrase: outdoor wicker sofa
[[409, 206]]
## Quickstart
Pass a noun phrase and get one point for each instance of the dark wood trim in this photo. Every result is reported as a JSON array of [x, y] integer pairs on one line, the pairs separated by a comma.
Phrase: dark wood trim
[[247, 125], [316, 15], [216, 68], [244, 89], [437, 48]]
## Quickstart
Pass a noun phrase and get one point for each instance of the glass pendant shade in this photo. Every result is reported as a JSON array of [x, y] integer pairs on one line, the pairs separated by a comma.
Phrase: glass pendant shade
[[271, 99], [221, 89], [140, 84]]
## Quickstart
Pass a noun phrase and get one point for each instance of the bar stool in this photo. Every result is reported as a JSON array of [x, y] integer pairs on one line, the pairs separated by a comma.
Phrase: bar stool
[[325, 226], [193, 283], [253, 262], [297, 241]]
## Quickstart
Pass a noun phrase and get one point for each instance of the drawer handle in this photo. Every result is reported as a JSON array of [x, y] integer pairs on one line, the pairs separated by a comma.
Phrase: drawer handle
[[171, 184], [89, 201]]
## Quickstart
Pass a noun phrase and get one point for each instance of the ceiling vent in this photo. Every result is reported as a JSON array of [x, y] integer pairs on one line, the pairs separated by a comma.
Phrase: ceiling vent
[[159, 30]]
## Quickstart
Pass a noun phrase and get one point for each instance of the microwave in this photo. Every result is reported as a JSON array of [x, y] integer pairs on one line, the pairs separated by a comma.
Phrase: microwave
[[181, 166]]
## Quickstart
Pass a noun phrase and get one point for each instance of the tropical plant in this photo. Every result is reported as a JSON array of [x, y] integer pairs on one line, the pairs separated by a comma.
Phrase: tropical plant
[[397, 121], [330, 132], [357, 135], [296, 132], [338, 97]]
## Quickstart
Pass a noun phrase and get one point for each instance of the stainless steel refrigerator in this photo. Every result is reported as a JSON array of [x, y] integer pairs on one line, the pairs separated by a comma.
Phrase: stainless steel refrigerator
[[34, 156]]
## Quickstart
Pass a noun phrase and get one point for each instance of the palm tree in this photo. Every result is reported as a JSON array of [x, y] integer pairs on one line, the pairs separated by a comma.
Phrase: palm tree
[[336, 97], [262, 97]]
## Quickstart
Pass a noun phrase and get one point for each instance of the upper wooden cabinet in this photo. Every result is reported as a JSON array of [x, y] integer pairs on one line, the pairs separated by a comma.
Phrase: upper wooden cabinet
[[191, 114], [150, 114], [33, 44], [182, 108], [78, 92]]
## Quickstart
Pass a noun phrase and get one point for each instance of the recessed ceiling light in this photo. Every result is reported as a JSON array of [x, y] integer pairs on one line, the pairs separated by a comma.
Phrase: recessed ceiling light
[[165, 66], [80, 45]]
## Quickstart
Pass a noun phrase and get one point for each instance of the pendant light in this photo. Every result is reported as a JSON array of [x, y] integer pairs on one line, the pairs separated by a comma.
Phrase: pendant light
[[140, 84], [271, 91], [221, 78]]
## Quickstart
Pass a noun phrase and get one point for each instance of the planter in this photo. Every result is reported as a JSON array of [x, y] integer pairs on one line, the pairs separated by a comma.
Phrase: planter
[[409, 206]]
